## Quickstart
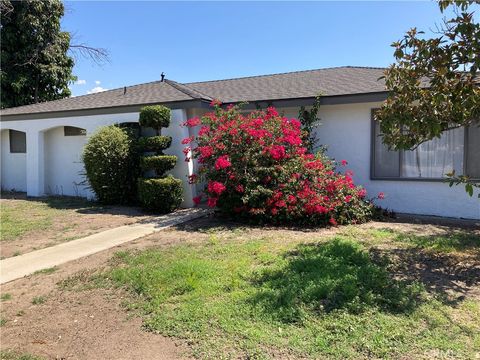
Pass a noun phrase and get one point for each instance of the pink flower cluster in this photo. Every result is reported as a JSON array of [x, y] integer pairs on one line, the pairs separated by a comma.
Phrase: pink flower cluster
[[256, 166]]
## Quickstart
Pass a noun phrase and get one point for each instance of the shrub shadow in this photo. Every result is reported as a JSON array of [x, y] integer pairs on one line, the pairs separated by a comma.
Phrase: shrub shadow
[[78, 204], [336, 275]]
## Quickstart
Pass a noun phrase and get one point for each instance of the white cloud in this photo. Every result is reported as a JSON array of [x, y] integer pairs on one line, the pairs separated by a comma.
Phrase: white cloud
[[96, 89], [80, 82], [97, 82]]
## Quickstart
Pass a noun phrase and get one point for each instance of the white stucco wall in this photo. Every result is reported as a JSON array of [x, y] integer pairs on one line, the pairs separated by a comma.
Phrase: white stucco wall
[[53, 160], [63, 152], [13, 167], [346, 130]]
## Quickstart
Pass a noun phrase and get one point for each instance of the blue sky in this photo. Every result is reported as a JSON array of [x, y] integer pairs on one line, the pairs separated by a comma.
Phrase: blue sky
[[195, 41]]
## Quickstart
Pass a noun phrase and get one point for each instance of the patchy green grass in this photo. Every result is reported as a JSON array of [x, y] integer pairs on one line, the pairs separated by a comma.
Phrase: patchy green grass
[[3, 321], [38, 300], [20, 217], [5, 296], [451, 242], [46, 271], [12, 355], [274, 297], [447, 241]]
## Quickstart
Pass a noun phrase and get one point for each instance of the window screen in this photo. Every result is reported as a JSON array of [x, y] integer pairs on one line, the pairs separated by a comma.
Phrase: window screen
[[386, 162], [18, 141], [473, 152]]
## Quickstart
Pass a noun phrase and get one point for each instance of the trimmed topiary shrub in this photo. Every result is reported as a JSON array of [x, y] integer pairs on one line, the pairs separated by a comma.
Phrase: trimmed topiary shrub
[[156, 193], [159, 163], [156, 117], [111, 160], [257, 166], [163, 195], [155, 143]]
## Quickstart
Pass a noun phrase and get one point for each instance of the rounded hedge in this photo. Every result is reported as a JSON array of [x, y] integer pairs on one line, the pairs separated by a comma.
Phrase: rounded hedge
[[155, 143], [111, 160], [160, 163], [155, 116], [161, 195]]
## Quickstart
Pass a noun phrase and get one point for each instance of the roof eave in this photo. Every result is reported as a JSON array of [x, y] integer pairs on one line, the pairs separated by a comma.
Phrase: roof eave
[[204, 104], [182, 104], [345, 99]]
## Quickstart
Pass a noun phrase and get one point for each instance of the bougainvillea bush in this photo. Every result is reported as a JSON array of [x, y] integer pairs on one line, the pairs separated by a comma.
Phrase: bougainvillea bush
[[256, 166]]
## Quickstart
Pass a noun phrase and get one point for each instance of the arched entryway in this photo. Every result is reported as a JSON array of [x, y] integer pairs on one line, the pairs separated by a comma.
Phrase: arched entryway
[[63, 146], [13, 160]]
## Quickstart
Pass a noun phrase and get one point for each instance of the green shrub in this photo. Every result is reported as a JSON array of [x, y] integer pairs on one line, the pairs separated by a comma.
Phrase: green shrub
[[156, 116], [160, 163], [163, 195], [155, 143], [158, 194], [257, 167], [111, 161]]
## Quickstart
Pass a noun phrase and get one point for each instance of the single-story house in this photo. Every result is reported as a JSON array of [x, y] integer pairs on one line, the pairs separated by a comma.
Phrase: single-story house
[[41, 144]]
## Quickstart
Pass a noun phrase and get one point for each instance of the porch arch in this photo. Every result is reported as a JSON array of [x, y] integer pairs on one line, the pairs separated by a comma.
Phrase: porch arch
[[63, 167]]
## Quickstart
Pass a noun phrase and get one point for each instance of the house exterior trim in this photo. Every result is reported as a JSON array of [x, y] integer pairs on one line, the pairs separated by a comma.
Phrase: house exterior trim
[[189, 104], [203, 104]]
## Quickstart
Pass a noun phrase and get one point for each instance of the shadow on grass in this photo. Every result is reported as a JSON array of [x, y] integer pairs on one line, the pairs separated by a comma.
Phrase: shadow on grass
[[452, 277], [217, 222], [320, 278], [78, 204]]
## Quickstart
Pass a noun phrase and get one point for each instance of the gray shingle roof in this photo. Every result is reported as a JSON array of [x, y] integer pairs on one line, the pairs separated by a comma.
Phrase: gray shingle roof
[[138, 94], [300, 84]]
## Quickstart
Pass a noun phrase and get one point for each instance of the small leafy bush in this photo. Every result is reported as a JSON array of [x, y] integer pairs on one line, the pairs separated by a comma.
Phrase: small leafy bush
[[160, 194], [156, 116], [111, 161], [258, 167], [155, 143], [160, 163]]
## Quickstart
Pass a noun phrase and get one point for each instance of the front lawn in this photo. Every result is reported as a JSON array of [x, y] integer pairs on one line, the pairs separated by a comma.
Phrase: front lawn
[[33, 223], [361, 293], [21, 216]]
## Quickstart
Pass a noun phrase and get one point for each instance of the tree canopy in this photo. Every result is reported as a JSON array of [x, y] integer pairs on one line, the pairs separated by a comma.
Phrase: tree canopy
[[434, 84], [37, 57], [35, 65]]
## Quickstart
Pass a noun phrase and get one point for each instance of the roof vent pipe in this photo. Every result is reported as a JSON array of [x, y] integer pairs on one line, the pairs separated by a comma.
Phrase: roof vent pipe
[[163, 76], [124, 90]]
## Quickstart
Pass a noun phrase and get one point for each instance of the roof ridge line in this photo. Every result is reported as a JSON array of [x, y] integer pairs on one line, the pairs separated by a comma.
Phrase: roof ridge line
[[193, 93], [91, 94], [285, 73]]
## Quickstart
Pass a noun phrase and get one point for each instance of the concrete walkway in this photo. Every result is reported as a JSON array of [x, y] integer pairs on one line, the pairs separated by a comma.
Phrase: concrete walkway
[[20, 266]]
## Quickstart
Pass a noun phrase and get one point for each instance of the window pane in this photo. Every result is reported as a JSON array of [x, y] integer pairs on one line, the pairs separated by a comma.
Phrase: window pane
[[386, 162], [18, 141], [73, 131], [435, 158], [473, 152]]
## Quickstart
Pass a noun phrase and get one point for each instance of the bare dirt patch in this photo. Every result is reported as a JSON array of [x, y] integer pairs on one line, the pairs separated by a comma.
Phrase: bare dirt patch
[[93, 324]]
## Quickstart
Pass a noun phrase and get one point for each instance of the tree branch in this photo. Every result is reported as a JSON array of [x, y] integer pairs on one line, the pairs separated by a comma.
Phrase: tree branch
[[99, 56]]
